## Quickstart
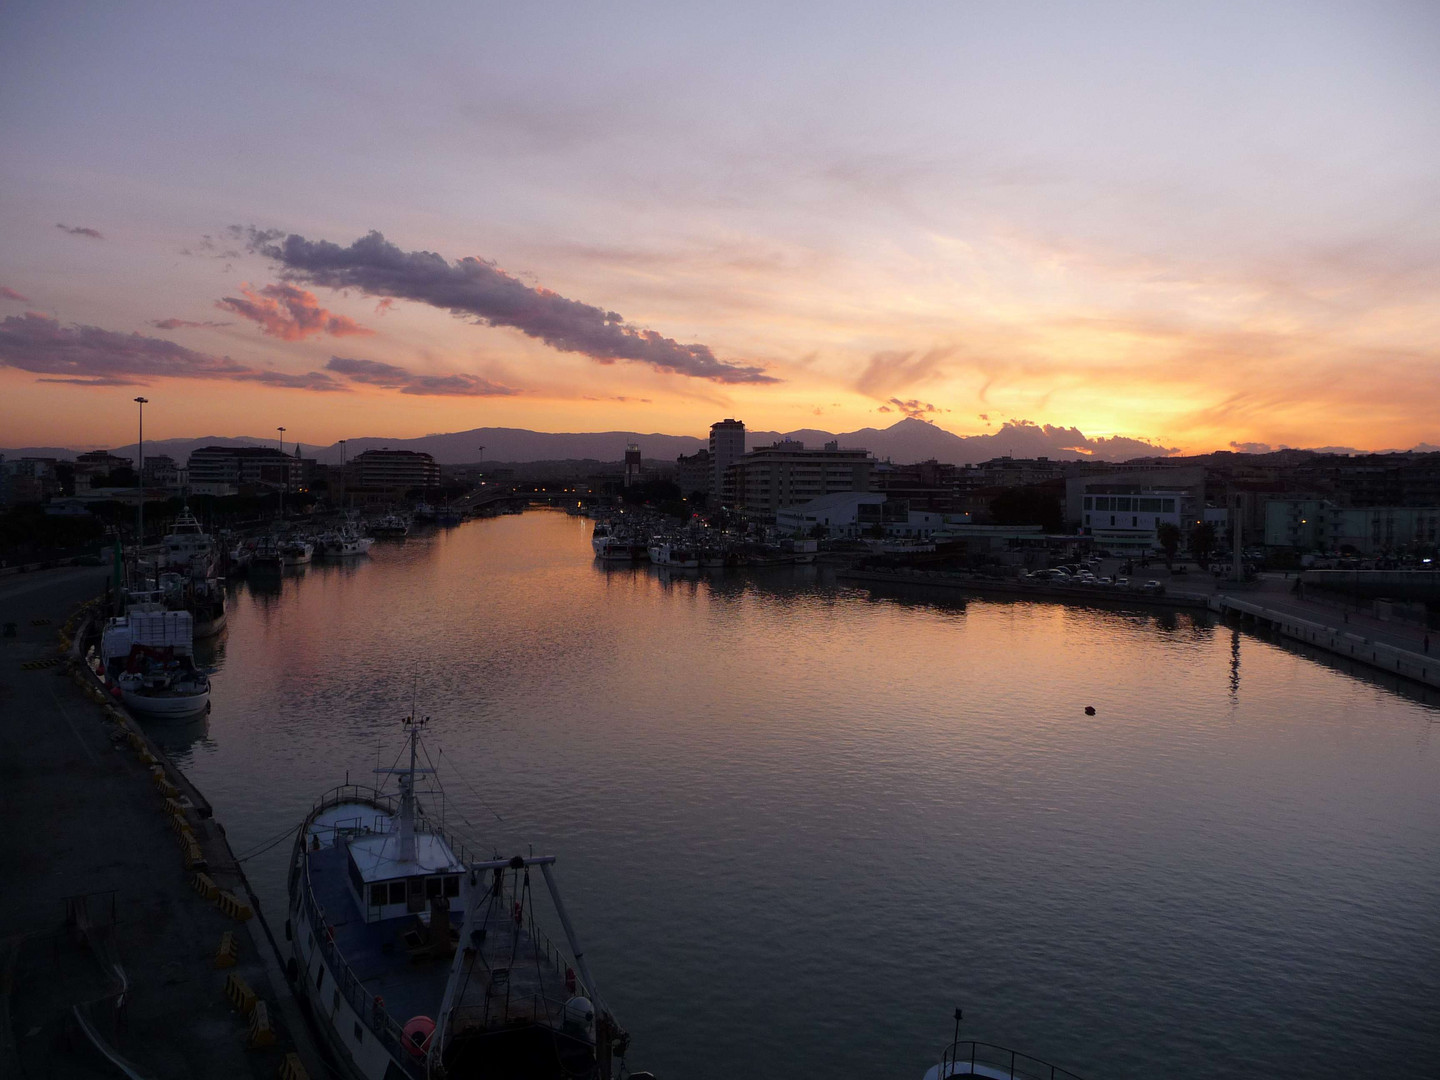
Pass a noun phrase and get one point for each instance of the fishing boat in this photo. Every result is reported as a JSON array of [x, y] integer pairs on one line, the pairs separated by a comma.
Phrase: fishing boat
[[343, 543], [663, 553], [418, 961], [148, 659], [296, 552], [188, 548], [391, 526], [967, 1057]]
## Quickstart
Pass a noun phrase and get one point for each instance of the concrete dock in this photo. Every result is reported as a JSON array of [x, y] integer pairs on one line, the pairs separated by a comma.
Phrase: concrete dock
[[108, 949]]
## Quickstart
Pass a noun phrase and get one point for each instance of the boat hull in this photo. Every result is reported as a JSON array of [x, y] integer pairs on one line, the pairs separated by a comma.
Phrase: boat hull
[[166, 706]]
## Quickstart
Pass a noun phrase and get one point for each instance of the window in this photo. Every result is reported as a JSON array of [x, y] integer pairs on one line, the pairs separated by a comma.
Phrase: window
[[1089, 502], [452, 886], [1134, 522], [378, 893], [432, 887], [335, 1001], [397, 892], [359, 1032], [1123, 504], [320, 977]]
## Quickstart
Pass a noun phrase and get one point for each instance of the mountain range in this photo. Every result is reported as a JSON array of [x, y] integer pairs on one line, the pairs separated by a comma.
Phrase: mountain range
[[907, 441]]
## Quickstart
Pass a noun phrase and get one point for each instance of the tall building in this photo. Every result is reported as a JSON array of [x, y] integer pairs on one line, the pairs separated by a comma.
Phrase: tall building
[[394, 470], [787, 474], [727, 446], [693, 473], [633, 462]]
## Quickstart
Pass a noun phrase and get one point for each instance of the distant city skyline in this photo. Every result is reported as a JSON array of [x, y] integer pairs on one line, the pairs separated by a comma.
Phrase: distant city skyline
[[1202, 228]]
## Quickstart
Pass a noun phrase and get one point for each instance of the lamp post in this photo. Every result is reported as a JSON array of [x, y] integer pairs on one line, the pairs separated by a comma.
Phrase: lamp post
[[140, 476]]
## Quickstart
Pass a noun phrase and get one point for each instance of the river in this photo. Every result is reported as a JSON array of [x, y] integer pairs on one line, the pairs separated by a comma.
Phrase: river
[[798, 825]]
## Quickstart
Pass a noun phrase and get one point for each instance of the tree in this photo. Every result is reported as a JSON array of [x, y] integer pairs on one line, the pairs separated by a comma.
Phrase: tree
[[1202, 542], [1033, 505], [1169, 536]]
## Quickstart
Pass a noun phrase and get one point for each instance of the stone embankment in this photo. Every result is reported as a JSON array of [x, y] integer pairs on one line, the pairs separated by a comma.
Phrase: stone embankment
[[129, 939]]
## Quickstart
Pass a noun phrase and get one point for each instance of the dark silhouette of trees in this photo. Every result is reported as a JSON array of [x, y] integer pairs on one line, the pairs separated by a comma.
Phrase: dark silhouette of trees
[[1033, 505], [1202, 542], [1168, 534]]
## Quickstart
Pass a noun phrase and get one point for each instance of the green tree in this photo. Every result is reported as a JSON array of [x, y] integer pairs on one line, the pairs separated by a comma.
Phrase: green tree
[[1169, 536]]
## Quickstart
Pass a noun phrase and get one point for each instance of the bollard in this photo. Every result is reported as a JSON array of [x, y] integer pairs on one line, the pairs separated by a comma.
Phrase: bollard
[[203, 885], [291, 1069], [238, 991], [261, 1033], [229, 951], [236, 909]]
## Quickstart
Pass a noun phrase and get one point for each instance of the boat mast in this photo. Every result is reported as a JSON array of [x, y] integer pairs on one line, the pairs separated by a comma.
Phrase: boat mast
[[406, 778]]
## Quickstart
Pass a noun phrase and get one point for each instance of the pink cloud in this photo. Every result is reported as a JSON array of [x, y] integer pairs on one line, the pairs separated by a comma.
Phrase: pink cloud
[[177, 324], [11, 294], [289, 313]]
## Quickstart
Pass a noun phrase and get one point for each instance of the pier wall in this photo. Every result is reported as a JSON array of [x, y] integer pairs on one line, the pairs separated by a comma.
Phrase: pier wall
[[1336, 639]]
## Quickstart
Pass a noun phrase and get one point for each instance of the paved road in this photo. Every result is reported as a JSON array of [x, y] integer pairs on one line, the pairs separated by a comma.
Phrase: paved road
[[81, 816]]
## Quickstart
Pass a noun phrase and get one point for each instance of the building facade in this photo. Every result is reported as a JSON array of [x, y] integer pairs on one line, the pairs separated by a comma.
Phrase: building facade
[[787, 474], [693, 472], [394, 470], [727, 446], [225, 470]]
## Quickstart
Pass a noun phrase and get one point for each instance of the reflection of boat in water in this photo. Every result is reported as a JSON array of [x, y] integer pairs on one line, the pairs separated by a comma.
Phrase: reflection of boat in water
[[148, 656], [616, 549], [418, 962]]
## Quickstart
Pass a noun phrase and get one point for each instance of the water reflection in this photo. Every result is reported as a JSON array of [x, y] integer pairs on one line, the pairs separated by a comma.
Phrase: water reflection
[[821, 817]]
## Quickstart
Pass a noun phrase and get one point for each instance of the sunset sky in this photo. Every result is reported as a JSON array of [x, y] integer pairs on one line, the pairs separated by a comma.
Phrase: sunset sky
[[1197, 224]]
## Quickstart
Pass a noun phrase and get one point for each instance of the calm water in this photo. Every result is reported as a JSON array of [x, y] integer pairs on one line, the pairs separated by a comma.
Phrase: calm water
[[797, 825]]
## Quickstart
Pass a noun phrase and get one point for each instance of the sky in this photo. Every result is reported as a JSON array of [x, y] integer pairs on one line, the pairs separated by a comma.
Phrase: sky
[[1203, 225]]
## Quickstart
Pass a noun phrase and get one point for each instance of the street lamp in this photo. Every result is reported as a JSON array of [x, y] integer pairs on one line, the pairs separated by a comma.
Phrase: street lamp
[[140, 476]]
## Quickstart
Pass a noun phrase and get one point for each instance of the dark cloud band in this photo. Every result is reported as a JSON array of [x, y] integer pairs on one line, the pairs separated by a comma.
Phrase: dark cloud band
[[480, 289]]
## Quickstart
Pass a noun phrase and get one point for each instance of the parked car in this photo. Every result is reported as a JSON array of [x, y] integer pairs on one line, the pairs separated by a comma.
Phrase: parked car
[[1153, 586]]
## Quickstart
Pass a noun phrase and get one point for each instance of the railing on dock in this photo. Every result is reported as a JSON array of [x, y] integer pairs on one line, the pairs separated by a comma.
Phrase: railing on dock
[[962, 1059]]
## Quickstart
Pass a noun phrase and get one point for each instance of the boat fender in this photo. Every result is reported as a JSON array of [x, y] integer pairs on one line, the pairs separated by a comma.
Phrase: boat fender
[[580, 1018], [518, 915], [289, 934], [418, 1030]]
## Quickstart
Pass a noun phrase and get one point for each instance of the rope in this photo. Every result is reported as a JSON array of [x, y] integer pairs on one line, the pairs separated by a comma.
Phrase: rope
[[265, 845]]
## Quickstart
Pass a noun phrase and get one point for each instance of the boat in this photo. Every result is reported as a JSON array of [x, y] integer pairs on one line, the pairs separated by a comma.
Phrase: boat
[[391, 526], [968, 1057], [424, 514], [148, 660], [267, 554], [296, 552], [188, 548], [418, 961], [343, 543], [664, 553]]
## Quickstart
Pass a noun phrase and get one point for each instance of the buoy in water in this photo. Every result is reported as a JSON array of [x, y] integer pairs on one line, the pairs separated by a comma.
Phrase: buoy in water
[[1089, 710]]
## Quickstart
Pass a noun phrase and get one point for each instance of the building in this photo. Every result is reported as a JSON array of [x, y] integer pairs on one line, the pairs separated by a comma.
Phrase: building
[[727, 446], [393, 470], [853, 514], [163, 471], [225, 470], [1316, 524], [97, 464], [28, 480], [693, 472], [787, 474], [1131, 523], [926, 485], [633, 464]]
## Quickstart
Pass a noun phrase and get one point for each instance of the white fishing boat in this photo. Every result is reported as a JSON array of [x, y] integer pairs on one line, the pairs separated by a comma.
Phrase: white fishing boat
[[418, 961], [343, 543], [188, 548], [296, 552], [148, 655], [391, 526], [664, 553], [969, 1058]]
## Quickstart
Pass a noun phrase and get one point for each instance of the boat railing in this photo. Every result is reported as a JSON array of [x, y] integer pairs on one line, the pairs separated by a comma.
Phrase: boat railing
[[390, 804], [997, 1061], [370, 1008]]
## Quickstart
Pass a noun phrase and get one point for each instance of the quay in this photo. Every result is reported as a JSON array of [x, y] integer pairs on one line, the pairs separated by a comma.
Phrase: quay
[[130, 942], [978, 583]]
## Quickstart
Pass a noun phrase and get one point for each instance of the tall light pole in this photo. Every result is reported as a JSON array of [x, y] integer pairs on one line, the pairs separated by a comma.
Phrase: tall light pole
[[285, 466], [140, 475]]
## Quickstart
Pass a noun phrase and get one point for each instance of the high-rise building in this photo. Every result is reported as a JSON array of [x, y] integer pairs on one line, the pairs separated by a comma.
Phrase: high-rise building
[[787, 474], [727, 446], [632, 464]]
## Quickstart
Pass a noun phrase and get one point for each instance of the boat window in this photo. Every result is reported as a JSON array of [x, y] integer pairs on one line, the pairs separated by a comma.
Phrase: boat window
[[335, 1001], [452, 886], [432, 887], [359, 1032], [320, 977], [397, 892], [378, 893]]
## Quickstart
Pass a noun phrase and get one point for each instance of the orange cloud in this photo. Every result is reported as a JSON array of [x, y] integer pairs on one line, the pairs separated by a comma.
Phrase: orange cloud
[[290, 313]]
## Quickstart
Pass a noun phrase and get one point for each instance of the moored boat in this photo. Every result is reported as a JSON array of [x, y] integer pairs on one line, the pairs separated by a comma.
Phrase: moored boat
[[420, 962], [148, 656]]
